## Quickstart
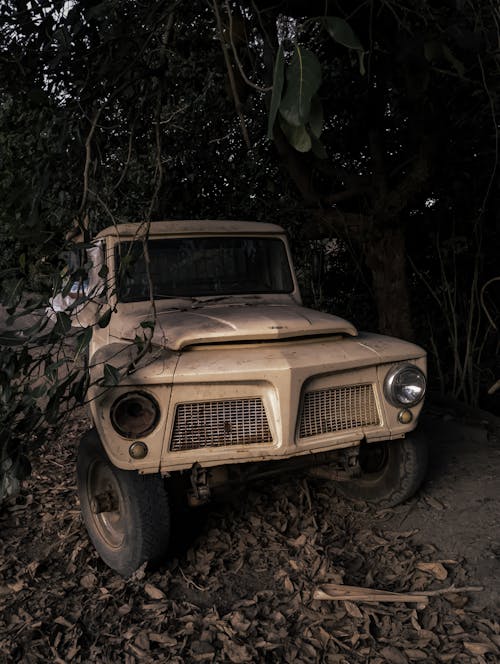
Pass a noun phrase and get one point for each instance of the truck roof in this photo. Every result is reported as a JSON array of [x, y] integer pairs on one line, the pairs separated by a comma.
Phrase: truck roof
[[191, 227]]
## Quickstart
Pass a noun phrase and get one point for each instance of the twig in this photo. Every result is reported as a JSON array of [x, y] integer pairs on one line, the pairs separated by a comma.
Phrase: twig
[[190, 582], [232, 82], [236, 58], [127, 162], [88, 155], [483, 304]]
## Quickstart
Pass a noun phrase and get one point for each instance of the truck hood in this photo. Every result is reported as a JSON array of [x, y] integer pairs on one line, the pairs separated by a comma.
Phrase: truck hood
[[230, 323]]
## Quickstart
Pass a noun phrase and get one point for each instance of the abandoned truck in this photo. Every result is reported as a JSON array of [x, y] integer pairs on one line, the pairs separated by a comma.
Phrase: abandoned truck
[[208, 372]]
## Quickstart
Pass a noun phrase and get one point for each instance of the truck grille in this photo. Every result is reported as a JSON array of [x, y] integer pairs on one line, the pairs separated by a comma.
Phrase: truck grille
[[338, 409], [220, 424]]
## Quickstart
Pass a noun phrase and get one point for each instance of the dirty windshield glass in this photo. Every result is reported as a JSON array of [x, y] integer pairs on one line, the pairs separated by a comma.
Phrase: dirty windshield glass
[[191, 267]]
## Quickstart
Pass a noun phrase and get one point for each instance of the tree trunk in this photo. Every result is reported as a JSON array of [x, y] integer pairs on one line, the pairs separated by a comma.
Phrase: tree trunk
[[385, 255]]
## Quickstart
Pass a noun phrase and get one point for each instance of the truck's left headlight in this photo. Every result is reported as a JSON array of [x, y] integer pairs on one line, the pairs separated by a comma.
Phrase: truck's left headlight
[[405, 386], [135, 414]]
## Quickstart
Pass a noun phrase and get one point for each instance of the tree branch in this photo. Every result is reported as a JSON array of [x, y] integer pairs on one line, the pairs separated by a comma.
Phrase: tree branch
[[295, 166], [232, 82], [88, 156], [325, 223], [236, 58]]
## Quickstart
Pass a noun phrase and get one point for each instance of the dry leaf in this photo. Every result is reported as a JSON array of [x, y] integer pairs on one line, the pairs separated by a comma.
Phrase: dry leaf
[[17, 586], [394, 655], [124, 609], [434, 503], [163, 639], [239, 622], [60, 620], [88, 581], [457, 600], [352, 610], [153, 593], [142, 640], [436, 569], [477, 648], [32, 568], [72, 652], [415, 654], [236, 653], [299, 542]]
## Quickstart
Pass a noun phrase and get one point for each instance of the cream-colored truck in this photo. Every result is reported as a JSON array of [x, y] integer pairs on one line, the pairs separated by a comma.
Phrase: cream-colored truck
[[207, 371]]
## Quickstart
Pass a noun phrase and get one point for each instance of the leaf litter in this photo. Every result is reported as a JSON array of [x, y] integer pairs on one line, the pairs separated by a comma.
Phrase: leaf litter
[[240, 585]]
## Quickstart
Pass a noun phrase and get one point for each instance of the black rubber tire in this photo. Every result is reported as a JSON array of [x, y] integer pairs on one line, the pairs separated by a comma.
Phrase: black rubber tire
[[402, 468], [138, 531]]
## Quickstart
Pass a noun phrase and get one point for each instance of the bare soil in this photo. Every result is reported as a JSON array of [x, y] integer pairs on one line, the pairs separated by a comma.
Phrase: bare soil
[[239, 582]]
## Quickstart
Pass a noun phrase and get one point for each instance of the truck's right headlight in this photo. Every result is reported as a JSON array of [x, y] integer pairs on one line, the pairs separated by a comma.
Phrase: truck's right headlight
[[135, 414], [405, 386]]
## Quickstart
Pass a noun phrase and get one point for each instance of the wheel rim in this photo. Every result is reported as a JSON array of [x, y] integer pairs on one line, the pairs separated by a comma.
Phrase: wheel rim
[[110, 522], [373, 458]]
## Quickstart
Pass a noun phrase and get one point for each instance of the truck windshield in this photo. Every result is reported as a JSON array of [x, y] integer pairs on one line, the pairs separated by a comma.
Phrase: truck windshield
[[202, 266]]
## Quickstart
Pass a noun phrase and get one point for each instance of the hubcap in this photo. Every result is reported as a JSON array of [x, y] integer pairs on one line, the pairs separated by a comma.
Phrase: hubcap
[[106, 504]]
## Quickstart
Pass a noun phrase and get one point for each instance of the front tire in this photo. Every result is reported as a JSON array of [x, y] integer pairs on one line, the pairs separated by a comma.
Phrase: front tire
[[391, 471], [126, 514]]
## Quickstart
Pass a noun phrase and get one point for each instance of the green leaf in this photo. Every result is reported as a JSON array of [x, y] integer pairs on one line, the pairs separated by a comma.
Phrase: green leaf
[[150, 324], [316, 117], [454, 61], [105, 318], [67, 286], [278, 82], [318, 148], [38, 391], [51, 369], [139, 342], [11, 338], [103, 272], [83, 340], [361, 58], [303, 77], [63, 324], [79, 389], [298, 137], [111, 376], [341, 31], [15, 295], [37, 327]]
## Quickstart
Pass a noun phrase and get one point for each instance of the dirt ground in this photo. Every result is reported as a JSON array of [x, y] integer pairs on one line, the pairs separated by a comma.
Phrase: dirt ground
[[239, 583]]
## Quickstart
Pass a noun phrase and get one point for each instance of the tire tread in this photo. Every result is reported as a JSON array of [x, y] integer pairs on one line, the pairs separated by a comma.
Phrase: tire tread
[[147, 536]]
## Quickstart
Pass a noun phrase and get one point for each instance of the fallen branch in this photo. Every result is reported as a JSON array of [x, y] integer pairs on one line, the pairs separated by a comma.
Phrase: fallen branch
[[338, 592]]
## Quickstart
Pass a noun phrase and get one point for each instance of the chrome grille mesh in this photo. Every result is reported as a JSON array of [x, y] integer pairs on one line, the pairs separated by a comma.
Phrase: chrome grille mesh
[[220, 424], [338, 409]]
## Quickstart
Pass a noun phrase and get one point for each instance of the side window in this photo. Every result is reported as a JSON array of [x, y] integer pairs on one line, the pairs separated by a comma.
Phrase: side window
[[97, 271], [83, 278], [74, 274]]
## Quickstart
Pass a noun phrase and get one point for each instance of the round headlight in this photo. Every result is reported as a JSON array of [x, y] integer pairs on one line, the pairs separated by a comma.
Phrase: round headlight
[[135, 414], [405, 386]]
